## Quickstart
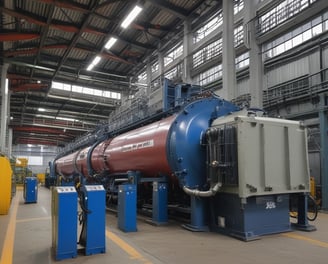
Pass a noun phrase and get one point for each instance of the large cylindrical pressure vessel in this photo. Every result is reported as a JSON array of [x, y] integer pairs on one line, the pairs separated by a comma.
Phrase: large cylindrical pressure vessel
[[65, 166], [169, 147]]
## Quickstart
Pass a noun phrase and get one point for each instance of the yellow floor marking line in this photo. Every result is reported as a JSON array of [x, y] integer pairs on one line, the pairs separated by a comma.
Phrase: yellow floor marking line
[[32, 219], [307, 239], [134, 254], [8, 246]]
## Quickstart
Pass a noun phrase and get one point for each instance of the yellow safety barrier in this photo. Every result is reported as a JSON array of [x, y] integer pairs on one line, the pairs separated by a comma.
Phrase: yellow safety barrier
[[5, 185]]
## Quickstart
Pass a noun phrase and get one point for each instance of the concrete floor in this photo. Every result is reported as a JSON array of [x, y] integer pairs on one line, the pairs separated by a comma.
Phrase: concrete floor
[[29, 241]]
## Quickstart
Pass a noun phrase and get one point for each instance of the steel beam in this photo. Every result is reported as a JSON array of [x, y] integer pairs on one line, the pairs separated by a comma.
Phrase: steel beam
[[170, 8]]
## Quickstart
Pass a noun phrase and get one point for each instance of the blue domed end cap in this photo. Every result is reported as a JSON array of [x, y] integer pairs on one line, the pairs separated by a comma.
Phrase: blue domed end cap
[[186, 154]]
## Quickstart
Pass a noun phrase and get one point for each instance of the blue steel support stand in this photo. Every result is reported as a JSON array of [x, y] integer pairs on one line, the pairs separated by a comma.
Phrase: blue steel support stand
[[324, 150], [302, 221], [127, 207], [159, 203], [159, 195], [198, 221]]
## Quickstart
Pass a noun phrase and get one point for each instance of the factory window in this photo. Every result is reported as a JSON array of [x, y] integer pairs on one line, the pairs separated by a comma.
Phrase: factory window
[[209, 27], [155, 84], [174, 73], [97, 92], [210, 75], [296, 37], [66, 87], [173, 54], [242, 61], [113, 95], [142, 77], [171, 74], [238, 6], [238, 35], [215, 73], [207, 53], [84, 90], [281, 13], [154, 67], [88, 91], [77, 89]]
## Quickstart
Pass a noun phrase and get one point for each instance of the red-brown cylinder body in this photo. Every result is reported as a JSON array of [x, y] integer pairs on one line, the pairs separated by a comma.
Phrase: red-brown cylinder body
[[81, 161], [143, 149], [98, 159], [65, 166]]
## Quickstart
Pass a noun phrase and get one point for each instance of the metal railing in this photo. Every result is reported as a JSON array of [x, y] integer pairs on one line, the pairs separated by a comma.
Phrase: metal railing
[[301, 88]]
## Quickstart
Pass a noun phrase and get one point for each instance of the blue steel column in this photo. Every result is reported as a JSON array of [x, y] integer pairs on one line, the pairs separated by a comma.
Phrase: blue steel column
[[197, 215], [302, 221], [324, 149]]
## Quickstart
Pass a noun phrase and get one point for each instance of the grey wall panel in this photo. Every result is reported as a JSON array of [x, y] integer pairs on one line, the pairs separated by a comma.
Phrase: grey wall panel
[[314, 62], [243, 87], [287, 72], [325, 58]]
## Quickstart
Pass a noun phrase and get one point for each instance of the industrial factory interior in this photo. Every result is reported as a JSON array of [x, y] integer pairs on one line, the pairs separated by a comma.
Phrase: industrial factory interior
[[164, 131]]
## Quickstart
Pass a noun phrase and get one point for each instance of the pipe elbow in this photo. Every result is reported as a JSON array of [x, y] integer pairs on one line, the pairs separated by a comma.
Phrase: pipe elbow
[[195, 192]]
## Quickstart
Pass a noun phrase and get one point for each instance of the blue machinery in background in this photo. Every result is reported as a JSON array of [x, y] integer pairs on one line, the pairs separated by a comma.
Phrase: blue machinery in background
[[65, 219], [31, 190]]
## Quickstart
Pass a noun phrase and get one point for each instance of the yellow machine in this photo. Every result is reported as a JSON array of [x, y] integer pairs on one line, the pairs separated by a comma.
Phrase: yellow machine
[[41, 178], [21, 162], [5, 184], [21, 170]]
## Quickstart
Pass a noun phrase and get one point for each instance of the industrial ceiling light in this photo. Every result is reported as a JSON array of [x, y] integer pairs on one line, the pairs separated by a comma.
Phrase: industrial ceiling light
[[94, 63], [41, 109], [90, 67], [110, 43], [67, 119], [131, 16]]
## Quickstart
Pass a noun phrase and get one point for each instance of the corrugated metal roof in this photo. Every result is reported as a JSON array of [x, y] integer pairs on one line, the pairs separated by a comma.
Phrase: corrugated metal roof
[[56, 40]]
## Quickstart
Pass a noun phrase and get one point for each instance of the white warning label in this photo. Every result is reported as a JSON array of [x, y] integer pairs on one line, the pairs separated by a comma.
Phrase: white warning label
[[138, 145]]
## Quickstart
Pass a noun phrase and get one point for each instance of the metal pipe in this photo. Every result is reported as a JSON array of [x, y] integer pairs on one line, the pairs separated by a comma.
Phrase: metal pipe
[[211, 192]]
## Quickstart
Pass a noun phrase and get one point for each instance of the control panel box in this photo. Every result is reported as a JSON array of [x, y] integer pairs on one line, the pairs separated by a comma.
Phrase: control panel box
[[64, 222]]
